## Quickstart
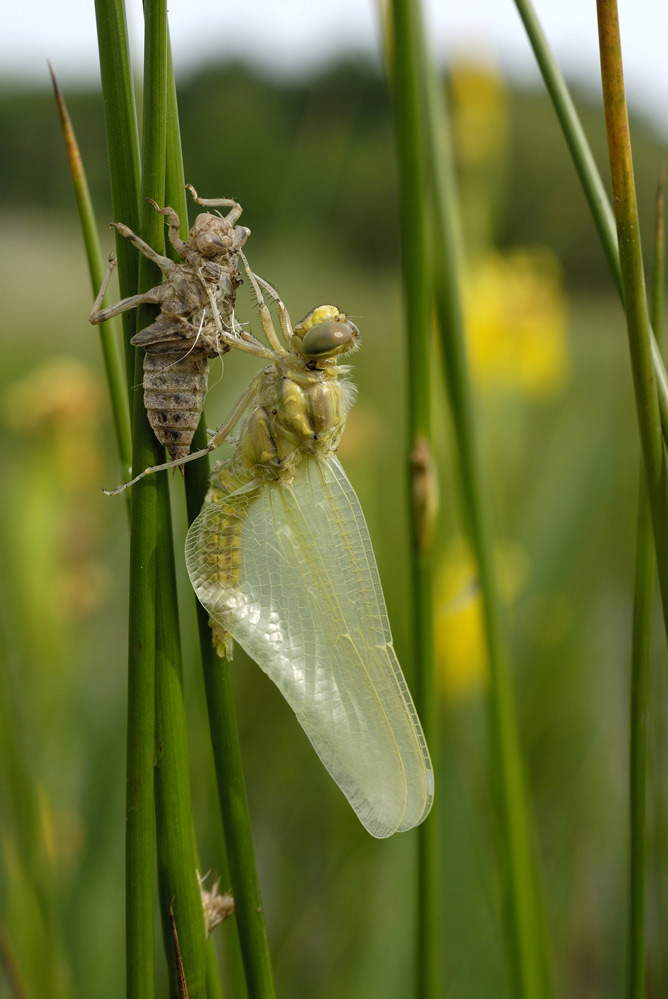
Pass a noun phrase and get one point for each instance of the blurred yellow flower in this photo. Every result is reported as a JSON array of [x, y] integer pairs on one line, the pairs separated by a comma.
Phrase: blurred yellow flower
[[462, 664], [52, 493], [61, 401], [479, 110], [516, 320]]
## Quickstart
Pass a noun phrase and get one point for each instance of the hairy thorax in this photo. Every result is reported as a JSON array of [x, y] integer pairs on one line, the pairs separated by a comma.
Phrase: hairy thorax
[[299, 410]]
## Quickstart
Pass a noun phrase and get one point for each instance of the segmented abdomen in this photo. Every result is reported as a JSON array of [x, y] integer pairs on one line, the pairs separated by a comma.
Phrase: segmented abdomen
[[175, 386], [213, 549]]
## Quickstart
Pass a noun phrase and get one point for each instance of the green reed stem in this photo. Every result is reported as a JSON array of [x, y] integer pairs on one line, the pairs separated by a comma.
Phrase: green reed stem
[[407, 80], [659, 270], [113, 363], [249, 910], [527, 933], [177, 864], [140, 815], [123, 150], [633, 284], [585, 165], [640, 676], [248, 905], [640, 682]]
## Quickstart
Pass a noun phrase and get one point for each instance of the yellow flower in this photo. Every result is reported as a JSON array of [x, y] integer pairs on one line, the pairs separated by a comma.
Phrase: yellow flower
[[479, 111], [61, 402], [516, 321], [460, 646], [52, 494]]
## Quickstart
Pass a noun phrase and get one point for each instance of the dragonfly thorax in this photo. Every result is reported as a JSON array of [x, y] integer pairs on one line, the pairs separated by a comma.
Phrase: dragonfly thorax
[[296, 411]]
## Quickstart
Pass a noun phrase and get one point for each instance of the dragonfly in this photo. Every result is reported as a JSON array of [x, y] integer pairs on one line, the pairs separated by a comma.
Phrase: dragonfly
[[281, 559]]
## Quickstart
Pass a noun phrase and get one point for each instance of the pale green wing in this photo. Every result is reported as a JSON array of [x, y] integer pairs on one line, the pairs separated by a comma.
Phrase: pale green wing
[[309, 609]]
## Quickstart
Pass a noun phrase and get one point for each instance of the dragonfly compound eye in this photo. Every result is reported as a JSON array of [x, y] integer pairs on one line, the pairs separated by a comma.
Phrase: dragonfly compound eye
[[329, 338]]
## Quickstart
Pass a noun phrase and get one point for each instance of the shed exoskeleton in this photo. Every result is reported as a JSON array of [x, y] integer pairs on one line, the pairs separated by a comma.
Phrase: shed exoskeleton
[[196, 300]]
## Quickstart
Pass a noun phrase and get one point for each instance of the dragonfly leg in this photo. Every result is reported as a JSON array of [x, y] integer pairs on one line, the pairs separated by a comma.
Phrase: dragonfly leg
[[283, 316], [179, 245], [97, 316], [166, 265], [235, 207], [265, 315], [238, 338], [103, 288]]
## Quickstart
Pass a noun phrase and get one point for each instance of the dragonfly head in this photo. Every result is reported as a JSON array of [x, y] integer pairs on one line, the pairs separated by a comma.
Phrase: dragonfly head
[[324, 333]]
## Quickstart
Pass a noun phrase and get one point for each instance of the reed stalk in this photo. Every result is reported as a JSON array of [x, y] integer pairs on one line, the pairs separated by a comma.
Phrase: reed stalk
[[638, 327], [405, 73], [640, 681]]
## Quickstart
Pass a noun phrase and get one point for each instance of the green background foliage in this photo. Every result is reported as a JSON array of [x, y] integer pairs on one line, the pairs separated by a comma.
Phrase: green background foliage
[[312, 162]]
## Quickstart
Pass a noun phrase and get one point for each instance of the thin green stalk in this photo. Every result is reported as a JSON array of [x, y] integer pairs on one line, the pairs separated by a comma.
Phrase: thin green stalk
[[248, 905], [113, 363], [180, 898], [245, 884], [658, 275], [248, 948], [526, 925], [249, 910], [140, 816], [123, 151], [407, 80], [122, 148], [177, 866], [633, 284], [214, 989], [640, 683], [587, 170], [640, 674]]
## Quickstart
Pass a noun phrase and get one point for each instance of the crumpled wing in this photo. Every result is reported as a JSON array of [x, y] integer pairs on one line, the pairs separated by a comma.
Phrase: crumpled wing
[[309, 609]]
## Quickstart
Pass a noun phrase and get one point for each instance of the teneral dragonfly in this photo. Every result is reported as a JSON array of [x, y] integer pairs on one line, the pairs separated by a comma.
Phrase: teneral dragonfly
[[280, 556]]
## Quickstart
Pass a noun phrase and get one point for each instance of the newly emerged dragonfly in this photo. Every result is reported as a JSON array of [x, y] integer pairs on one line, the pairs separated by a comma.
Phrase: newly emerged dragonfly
[[280, 556]]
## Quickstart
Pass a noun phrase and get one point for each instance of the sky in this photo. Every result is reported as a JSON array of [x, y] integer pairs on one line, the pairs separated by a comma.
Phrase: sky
[[299, 35]]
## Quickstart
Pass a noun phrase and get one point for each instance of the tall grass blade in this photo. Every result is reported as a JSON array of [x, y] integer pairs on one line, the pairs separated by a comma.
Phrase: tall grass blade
[[180, 898], [248, 905], [585, 165], [527, 932], [108, 331], [633, 284], [180, 901], [122, 147], [249, 910], [407, 82], [251, 936], [640, 680], [526, 929], [123, 150]]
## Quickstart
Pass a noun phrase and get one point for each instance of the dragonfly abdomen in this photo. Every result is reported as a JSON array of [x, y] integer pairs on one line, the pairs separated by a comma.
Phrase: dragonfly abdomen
[[213, 548]]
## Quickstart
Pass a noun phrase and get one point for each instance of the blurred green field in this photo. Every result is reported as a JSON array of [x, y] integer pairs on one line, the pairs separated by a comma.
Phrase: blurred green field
[[563, 470]]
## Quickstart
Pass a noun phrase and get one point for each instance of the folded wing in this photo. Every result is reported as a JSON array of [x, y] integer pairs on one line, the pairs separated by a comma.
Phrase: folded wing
[[307, 606]]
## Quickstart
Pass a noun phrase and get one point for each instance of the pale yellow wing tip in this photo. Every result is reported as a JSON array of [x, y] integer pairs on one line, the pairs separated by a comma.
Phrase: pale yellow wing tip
[[381, 828]]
